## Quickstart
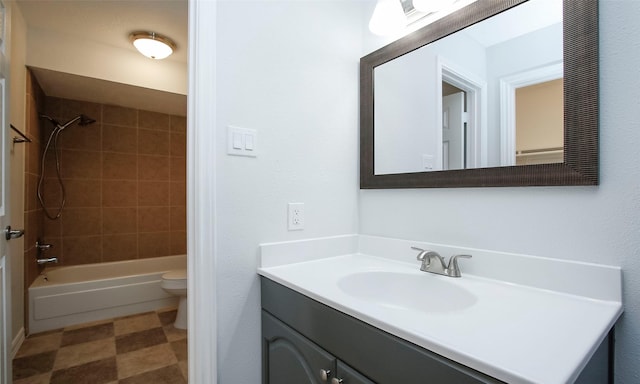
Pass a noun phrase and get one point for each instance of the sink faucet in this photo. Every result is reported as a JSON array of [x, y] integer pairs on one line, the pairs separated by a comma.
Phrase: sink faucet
[[434, 263]]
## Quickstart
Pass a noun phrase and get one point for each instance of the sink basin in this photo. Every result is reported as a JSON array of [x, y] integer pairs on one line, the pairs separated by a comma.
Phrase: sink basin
[[419, 292]]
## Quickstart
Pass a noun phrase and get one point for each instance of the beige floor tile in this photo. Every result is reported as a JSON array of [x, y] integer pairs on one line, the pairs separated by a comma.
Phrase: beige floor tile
[[39, 379], [136, 323], [35, 345], [174, 334], [78, 354], [184, 367], [144, 360]]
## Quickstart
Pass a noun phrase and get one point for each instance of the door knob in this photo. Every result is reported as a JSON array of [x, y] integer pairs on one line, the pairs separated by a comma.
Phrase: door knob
[[335, 380], [12, 233]]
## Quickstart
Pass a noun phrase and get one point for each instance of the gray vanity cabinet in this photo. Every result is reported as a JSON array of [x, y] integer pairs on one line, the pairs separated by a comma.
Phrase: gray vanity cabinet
[[301, 337], [290, 358]]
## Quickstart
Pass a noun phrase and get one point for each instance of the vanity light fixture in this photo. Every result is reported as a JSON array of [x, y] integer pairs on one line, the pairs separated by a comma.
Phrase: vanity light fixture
[[152, 45], [430, 6], [388, 18]]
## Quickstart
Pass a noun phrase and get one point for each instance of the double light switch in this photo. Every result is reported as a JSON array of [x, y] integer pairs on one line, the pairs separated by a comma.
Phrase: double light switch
[[241, 141]]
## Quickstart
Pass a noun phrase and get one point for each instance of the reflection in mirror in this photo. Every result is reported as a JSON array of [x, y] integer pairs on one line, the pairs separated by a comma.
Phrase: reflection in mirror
[[471, 99]]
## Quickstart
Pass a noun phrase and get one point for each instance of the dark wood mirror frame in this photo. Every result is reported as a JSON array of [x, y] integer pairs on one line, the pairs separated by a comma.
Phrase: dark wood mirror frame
[[581, 115]]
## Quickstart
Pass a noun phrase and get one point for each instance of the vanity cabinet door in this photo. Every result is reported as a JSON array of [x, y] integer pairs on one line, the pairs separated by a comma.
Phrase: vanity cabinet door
[[290, 358], [347, 375]]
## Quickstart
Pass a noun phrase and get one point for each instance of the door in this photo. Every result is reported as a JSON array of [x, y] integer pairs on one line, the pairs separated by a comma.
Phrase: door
[[5, 276], [453, 132], [289, 358]]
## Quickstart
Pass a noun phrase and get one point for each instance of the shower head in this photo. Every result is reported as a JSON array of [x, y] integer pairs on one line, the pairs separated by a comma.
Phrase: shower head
[[81, 119], [86, 120]]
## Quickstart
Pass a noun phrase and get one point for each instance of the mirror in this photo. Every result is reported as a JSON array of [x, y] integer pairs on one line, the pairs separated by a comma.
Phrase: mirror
[[495, 94]]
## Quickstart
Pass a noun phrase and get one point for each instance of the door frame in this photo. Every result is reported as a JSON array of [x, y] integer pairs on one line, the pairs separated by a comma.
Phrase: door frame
[[508, 86], [476, 90]]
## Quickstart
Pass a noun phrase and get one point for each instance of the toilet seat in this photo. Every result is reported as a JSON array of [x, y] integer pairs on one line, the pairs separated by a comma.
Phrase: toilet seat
[[175, 279]]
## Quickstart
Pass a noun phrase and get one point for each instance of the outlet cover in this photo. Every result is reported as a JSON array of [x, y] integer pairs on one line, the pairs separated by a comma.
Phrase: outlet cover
[[295, 213]]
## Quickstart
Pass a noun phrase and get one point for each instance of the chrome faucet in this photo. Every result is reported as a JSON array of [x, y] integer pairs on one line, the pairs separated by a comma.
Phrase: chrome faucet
[[432, 262], [43, 247], [47, 260]]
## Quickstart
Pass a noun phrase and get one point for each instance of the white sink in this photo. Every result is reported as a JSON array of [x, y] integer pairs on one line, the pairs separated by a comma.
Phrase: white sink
[[422, 292]]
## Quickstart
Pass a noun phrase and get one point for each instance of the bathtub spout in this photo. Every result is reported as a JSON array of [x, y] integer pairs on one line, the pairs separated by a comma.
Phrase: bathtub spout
[[46, 261]]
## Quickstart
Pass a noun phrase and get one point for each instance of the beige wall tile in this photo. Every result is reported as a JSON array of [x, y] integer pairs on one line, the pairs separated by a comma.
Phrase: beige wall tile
[[154, 168], [178, 193], [154, 244], [119, 193], [114, 115], [31, 190], [119, 247], [178, 243], [70, 109], [178, 218], [51, 193], [178, 144], [178, 124], [178, 168], [82, 221], [86, 138], [83, 193], [119, 220], [82, 250], [119, 166], [77, 164], [153, 120], [119, 139], [153, 142], [153, 193], [153, 219]]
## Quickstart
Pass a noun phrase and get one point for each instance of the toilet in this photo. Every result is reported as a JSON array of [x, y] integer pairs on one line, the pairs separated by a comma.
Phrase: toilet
[[175, 283]]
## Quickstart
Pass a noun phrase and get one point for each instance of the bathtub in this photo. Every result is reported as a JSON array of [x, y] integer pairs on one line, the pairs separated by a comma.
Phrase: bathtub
[[64, 296]]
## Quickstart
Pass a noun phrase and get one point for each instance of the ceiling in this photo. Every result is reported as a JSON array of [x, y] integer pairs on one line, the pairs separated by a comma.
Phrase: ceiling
[[109, 23]]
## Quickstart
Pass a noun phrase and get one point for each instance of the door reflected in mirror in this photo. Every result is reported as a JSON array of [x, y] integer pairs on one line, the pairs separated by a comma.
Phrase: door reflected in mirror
[[488, 95]]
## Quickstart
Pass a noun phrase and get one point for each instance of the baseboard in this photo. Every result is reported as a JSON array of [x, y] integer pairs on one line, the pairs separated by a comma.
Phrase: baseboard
[[17, 343]]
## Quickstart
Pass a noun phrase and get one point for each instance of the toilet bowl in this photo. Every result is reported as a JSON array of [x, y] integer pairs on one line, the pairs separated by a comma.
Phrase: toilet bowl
[[175, 283]]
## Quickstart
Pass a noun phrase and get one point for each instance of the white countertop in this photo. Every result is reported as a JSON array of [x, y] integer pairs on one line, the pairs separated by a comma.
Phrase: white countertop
[[515, 333]]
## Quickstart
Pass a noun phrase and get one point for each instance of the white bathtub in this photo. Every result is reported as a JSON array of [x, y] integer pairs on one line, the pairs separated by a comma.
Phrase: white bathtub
[[64, 296]]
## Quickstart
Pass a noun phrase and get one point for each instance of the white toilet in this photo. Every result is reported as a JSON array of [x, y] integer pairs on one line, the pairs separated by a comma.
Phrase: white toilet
[[175, 282]]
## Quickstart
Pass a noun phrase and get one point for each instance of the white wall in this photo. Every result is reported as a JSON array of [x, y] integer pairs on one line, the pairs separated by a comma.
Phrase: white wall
[[592, 224], [288, 69]]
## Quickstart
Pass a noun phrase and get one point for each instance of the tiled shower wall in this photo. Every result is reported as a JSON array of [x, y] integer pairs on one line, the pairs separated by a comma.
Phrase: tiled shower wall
[[33, 216], [125, 183]]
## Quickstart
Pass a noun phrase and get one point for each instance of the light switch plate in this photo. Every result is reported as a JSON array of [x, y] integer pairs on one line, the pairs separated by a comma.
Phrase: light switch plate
[[242, 141]]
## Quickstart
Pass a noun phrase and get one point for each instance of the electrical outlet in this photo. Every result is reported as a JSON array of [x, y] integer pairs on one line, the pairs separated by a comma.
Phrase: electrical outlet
[[295, 216]]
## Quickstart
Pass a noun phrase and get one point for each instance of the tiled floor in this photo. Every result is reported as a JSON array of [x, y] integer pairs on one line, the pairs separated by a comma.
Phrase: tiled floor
[[138, 349]]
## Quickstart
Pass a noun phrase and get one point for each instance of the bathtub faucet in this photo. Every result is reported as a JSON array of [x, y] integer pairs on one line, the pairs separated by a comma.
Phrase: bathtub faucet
[[47, 260], [42, 246]]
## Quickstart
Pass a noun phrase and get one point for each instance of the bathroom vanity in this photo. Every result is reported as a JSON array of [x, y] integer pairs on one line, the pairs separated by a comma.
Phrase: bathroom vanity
[[353, 317]]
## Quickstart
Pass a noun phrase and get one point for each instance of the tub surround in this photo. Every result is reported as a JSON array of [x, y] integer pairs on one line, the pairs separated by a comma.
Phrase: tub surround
[[536, 320]]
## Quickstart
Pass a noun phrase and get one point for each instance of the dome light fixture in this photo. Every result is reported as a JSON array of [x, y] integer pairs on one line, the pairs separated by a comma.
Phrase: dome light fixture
[[152, 45]]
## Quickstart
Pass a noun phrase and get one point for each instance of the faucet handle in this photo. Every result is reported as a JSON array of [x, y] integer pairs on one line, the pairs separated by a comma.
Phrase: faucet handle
[[422, 253], [453, 269]]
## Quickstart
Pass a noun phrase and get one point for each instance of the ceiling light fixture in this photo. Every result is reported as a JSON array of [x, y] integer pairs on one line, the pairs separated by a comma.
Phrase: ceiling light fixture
[[152, 45], [388, 18]]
